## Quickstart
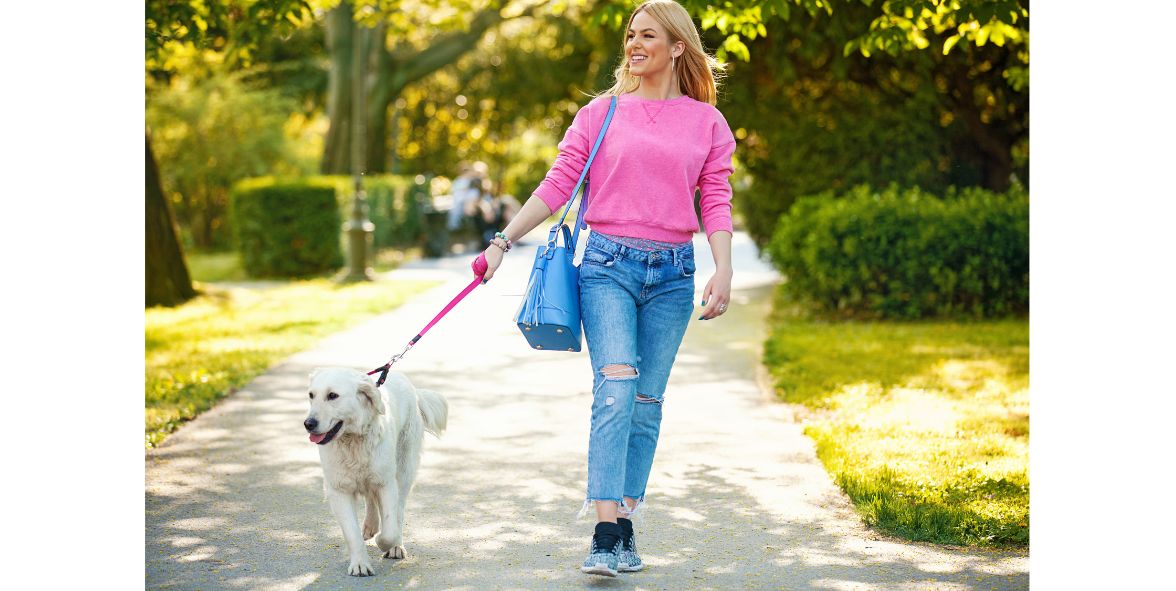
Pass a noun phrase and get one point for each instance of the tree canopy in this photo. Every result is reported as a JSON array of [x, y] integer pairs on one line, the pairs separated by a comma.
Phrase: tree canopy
[[821, 93]]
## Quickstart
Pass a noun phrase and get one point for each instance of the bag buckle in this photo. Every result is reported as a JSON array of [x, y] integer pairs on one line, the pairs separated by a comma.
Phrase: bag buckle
[[550, 250]]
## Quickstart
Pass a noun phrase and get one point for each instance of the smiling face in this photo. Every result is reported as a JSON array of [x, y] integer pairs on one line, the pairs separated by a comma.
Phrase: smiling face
[[341, 401], [648, 47]]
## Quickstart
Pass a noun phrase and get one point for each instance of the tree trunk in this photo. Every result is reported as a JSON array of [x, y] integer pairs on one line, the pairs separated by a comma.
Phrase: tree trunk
[[992, 144], [167, 280], [340, 35], [389, 73], [993, 139], [379, 98], [378, 146]]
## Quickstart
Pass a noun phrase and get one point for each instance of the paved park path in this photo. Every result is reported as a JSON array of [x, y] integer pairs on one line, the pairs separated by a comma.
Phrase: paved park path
[[737, 498]]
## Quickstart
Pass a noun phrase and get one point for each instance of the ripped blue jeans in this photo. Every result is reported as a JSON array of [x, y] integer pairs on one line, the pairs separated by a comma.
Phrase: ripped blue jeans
[[635, 306]]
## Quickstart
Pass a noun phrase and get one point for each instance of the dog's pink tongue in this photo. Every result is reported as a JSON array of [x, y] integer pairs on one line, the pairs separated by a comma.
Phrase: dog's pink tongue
[[315, 437]]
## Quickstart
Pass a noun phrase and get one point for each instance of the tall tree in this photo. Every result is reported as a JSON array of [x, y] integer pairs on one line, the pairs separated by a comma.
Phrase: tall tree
[[917, 92], [399, 52], [168, 282], [979, 53], [234, 26]]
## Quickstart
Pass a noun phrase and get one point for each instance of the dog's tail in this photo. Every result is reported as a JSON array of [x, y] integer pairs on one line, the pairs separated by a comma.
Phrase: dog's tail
[[434, 411]]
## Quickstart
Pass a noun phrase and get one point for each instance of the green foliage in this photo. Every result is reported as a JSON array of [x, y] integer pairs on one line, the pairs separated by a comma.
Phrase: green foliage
[[810, 118], [209, 267], [210, 134], [201, 351], [904, 25], [925, 425], [287, 229], [506, 103], [907, 254], [294, 64], [395, 206], [733, 21], [822, 136], [236, 26]]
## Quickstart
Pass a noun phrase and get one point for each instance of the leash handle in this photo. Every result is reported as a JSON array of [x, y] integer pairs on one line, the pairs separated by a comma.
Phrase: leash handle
[[479, 266]]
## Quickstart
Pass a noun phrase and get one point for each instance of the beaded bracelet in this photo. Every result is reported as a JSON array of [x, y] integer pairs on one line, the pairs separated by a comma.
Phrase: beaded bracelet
[[505, 239]]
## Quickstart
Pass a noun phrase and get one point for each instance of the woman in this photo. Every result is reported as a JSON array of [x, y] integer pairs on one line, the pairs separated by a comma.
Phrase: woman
[[636, 278]]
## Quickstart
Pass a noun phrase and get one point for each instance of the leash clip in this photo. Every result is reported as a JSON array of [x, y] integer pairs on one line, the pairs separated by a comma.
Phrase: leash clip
[[384, 369]]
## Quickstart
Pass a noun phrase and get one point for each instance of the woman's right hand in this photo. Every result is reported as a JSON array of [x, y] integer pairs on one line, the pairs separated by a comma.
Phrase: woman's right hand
[[493, 256], [533, 213]]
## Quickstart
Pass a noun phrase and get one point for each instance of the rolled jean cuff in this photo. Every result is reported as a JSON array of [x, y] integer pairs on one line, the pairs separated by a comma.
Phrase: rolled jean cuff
[[622, 508]]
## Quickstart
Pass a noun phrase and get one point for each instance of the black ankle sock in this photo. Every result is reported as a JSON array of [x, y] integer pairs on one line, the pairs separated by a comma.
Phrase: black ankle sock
[[608, 527], [626, 527], [607, 534]]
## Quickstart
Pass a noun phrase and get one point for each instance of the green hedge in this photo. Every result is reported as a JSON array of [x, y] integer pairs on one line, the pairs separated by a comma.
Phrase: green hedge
[[286, 228], [394, 207], [904, 253]]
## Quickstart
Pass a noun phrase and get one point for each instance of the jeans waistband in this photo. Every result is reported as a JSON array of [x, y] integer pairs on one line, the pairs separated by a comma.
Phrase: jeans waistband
[[597, 240]]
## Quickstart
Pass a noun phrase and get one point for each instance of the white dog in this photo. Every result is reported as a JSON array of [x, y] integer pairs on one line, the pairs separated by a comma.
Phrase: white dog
[[370, 446]]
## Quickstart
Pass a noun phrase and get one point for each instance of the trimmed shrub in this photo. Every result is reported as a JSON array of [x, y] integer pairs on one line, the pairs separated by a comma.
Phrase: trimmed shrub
[[396, 204], [287, 228], [210, 133], [906, 253], [394, 207]]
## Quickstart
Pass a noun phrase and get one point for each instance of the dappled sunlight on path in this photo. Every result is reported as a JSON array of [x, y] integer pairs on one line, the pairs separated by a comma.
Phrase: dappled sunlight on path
[[737, 499]]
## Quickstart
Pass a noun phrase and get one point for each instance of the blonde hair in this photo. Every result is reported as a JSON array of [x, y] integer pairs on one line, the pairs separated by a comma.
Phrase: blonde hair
[[698, 73]]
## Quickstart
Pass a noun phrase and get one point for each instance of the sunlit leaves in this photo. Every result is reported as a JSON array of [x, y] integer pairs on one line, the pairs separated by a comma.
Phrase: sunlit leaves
[[950, 43], [904, 25], [211, 133], [734, 45], [403, 17], [1017, 77], [907, 25], [234, 26]]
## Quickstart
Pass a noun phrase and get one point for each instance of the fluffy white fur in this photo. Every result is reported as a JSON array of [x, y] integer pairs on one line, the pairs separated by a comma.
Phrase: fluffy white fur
[[374, 455]]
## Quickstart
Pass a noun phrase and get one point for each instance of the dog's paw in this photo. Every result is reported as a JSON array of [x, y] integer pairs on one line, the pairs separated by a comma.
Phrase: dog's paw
[[396, 552], [370, 530], [361, 567]]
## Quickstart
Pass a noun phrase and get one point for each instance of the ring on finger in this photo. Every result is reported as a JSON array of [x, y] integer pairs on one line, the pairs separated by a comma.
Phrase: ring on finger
[[722, 307]]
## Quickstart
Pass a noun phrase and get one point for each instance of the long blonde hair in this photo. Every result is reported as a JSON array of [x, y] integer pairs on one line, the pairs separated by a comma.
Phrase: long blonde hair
[[699, 73]]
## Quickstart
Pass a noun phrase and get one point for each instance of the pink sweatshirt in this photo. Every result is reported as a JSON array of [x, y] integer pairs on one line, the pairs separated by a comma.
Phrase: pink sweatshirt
[[654, 154]]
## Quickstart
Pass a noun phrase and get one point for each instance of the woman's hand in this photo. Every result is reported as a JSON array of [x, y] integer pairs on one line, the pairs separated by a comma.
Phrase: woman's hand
[[493, 256], [532, 214], [717, 295]]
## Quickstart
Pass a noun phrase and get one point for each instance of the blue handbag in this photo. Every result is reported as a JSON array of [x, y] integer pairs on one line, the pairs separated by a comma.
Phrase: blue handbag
[[549, 316]]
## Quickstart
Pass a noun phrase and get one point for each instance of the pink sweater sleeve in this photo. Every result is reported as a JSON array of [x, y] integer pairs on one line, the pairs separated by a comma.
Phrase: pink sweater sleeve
[[556, 188], [715, 200]]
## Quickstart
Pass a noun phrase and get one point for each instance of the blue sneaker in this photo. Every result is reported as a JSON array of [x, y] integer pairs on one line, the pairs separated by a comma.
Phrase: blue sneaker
[[606, 549], [628, 561]]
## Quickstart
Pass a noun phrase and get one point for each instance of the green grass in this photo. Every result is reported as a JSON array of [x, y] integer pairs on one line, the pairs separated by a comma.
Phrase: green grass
[[214, 267], [925, 425], [199, 352]]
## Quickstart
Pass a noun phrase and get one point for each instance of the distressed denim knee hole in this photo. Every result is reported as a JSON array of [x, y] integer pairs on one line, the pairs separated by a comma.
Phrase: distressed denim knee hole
[[619, 371], [641, 398], [610, 400]]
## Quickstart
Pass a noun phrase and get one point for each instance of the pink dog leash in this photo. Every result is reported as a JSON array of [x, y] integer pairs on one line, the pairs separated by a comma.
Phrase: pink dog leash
[[479, 267]]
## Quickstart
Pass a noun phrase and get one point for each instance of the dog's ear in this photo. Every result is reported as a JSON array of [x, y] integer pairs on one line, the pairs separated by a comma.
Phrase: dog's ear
[[368, 390]]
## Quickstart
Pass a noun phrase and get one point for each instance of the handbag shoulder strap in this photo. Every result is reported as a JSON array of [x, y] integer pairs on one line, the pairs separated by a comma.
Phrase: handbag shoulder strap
[[583, 202]]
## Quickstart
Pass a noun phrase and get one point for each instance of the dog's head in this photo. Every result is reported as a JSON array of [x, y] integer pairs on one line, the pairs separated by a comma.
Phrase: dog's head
[[341, 401]]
